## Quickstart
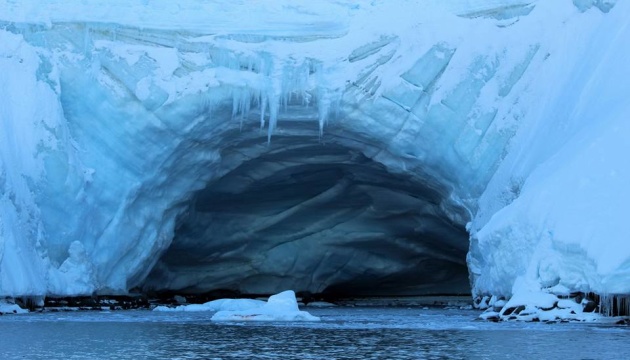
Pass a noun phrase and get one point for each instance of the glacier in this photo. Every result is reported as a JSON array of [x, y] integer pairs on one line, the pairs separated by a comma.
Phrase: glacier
[[362, 149]]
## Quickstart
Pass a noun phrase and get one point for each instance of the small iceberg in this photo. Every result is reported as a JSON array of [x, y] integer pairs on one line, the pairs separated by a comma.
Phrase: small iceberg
[[217, 305], [10, 308], [279, 307]]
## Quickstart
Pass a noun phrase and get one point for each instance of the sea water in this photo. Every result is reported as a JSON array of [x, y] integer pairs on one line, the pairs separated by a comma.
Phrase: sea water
[[342, 333]]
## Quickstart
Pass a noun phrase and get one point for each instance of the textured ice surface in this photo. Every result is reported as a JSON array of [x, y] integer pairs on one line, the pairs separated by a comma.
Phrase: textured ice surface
[[315, 218], [130, 131], [571, 200]]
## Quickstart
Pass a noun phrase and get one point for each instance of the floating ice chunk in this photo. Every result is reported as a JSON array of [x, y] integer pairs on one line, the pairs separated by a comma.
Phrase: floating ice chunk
[[279, 307], [490, 315], [320, 304], [9, 308], [217, 305]]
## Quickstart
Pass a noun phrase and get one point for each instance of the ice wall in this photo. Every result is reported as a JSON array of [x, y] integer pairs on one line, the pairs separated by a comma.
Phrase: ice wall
[[568, 175], [116, 116]]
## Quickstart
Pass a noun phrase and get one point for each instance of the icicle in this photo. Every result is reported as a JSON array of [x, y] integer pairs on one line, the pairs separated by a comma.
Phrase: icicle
[[263, 109], [235, 101], [285, 98], [246, 101], [274, 98], [323, 114], [614, 305], [239, 102], [604, 305], [323, 107], [273, 117]]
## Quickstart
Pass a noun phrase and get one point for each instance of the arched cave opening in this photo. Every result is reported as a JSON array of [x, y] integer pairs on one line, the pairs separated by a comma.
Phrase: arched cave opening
[[315, 215]]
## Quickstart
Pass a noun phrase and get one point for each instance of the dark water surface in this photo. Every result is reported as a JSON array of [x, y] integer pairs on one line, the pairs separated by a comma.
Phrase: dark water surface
[[343, 333]]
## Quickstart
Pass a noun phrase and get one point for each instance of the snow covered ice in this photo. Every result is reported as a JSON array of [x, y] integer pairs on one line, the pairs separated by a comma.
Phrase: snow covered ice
[[381, 148], [279, 307], [217, 305], [10, 308]]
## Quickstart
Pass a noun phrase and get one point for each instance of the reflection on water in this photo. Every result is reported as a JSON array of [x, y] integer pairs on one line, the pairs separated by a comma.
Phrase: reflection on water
[[343, 333]]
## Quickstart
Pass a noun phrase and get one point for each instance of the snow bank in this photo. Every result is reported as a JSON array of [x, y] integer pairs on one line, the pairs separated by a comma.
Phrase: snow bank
[[279, 307]]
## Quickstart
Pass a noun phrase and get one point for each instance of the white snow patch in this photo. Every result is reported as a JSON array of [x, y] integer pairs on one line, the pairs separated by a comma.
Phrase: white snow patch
[[538, 299]]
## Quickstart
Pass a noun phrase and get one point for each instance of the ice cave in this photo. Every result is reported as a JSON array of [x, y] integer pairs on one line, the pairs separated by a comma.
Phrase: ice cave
[[390, 148]]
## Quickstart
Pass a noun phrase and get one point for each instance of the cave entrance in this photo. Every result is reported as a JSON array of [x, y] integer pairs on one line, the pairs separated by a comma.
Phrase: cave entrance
[[315, 217]]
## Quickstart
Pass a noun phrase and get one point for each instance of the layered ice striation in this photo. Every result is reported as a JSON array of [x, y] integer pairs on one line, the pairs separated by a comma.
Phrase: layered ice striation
[[365, 149], [314, 215]]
